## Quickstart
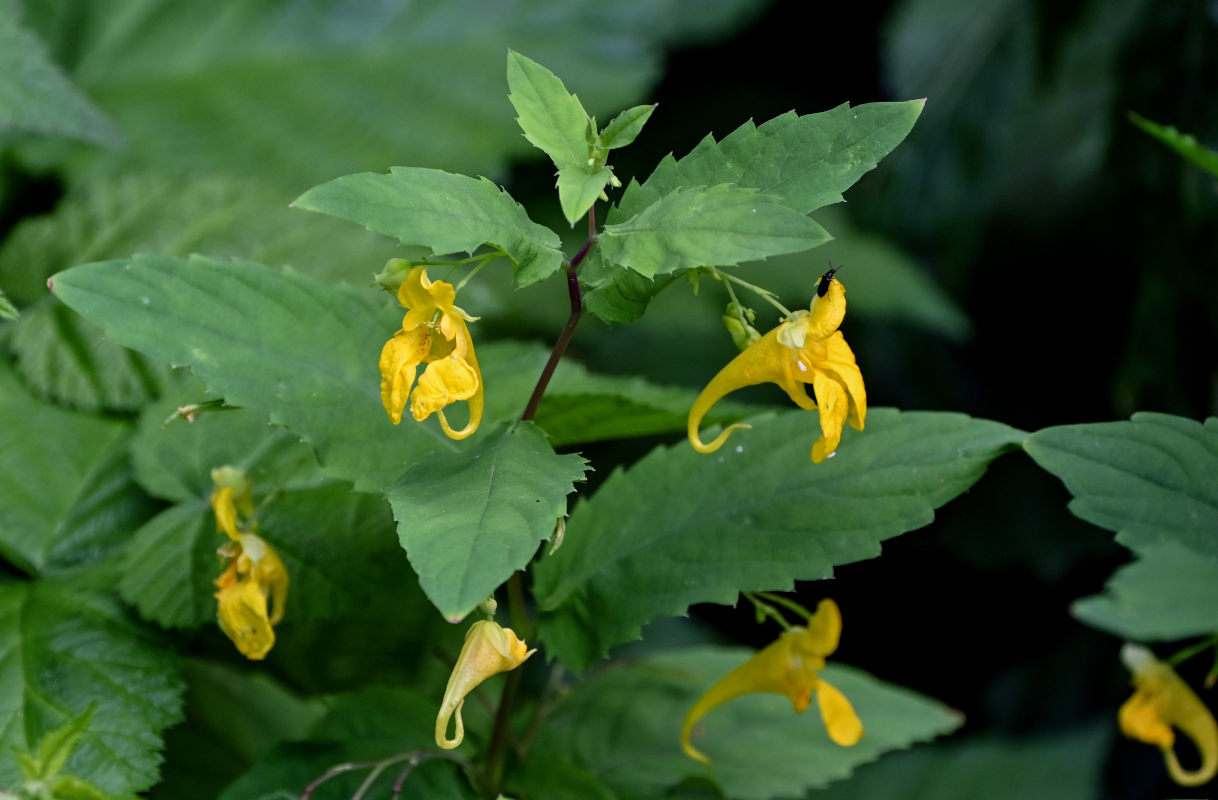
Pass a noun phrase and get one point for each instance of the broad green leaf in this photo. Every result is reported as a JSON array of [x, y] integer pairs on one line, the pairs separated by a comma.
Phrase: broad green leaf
[[807, 161], [265, 339], [236, 716], [624, 726], [1170, 592], [173, 455], [66, 359], [336, 89], [552, 118], [65, 646], [57, 482], [217, 216], [442, 211], [7, 309], [626, 126], [579, 189], [680, 527], [1185, 145], [35, 95], [171, 563], [468, 521], [369, 725], [717, 226], [1149, 479], [1058, 766]]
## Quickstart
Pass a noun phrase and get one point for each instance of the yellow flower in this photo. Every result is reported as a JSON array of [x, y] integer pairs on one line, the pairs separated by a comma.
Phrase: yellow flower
[[1161, 701], [807, 348], [788, 667], [255, 571], [433, 333], [488, 650]]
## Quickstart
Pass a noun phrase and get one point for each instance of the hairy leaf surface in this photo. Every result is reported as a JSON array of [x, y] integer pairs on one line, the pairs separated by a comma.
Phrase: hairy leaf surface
[[680, 527]]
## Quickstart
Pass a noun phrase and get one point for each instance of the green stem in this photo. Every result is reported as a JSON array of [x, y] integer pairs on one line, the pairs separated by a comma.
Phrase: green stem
[[1192, 650], [766, 610], [786, 603], [765, 294], [485, 260]]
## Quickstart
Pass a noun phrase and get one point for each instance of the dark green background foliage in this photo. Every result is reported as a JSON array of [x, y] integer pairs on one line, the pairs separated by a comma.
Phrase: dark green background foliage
[[1028, 259]]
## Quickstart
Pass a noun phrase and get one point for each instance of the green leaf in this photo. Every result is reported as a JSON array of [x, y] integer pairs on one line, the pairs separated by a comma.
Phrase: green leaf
[[299, 94], [1150, 479], [1185, 145], [66, 359], [1064, 765], [468, 521], [55, 482], [236, 716], [65, 647], [7, 309], [264, 339], [37, 98], [758, 747], [579, 189], [217, 216], [368, 725], [1170, 592], [552, 118], [717, 226], [55, 747], [626, 126], [69, 787], [807, 161], [442, 211], [680, 527], [171, 563]]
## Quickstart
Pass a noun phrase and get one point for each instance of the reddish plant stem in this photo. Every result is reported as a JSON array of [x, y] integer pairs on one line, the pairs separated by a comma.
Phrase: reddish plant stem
[[492, 786]]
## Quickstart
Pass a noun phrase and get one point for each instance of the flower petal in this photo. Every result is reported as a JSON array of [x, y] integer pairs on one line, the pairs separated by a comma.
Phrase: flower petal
[[488, 650], [400, 359], [243, 618], [834, 405], [844, 726]]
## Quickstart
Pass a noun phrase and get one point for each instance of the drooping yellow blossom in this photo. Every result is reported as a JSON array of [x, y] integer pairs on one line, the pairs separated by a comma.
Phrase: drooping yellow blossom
[[805, 349], [788, 666], [433, 333], [488, 650], [255, 572], [1162, 701]]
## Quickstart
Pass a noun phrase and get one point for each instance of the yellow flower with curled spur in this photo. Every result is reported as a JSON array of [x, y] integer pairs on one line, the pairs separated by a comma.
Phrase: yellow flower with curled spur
[[805, 349], [788, 667], [489, 649], [433, 333], [255, 573], [1162, 701]]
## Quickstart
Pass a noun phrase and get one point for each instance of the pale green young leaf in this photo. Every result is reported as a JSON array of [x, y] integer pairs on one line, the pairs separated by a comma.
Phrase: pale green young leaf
[[56, 746], [1150, 479], [367, 725], [1184, 144], [807, 161], [579, 189], [70, 787], [1169, 592], [759, 748], [54, 462], [264, 339], [716, 226], [1066, 765], [680, 527], [7, 309], [445, 212], [469, 520], [552, 118], [36, 97], [65, 646], [338, 89], [626, 126]]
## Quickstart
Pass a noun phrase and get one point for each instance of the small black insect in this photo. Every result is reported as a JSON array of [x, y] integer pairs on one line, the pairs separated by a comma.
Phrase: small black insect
[[822, 288]]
